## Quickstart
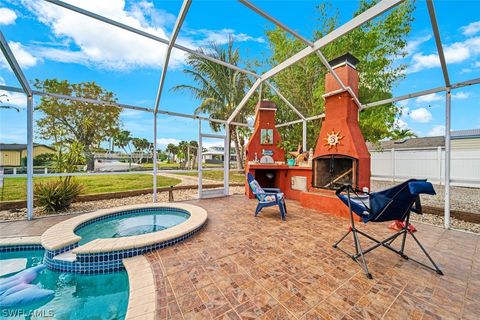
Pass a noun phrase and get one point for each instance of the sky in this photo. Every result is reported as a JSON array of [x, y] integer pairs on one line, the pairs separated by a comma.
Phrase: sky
[[52, 42]]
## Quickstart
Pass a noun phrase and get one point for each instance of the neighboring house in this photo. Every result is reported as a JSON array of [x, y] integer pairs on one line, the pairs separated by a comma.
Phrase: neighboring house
[[11, 154], [462, 139], [425, 158], [466, 139], [215, 155]]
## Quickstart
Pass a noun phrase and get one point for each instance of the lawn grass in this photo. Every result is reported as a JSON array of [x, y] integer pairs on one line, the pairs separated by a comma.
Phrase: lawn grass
[[16, 188], [217, 175]]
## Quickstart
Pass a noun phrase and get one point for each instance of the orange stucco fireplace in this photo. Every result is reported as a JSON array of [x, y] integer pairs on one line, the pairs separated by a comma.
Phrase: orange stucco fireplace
[[341, 154]]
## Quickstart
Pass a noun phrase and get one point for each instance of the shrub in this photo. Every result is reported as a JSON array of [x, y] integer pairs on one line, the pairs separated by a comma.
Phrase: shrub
[[57, 195], [43, 159]]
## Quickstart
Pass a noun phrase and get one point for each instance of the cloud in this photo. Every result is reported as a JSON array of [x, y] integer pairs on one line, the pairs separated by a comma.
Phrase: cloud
[[98, 45], [421, 115], [413, 45], [438, 130], [16, 99], [24, 58], [12, 98], [221, 36], [476, 64], [132, 114], [7, 16], [401, 124], [146, 13], [461, 95], [163, 142], [471, 28], [62, 55], [429, 98], [454, 53]]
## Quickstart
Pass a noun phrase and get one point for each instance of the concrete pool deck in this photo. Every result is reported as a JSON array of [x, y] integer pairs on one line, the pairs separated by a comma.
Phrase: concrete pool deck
[[241, 267], [63, 234], [141, 296]]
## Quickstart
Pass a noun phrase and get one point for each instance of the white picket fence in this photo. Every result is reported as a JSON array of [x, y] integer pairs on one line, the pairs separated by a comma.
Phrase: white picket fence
[[400, 164]]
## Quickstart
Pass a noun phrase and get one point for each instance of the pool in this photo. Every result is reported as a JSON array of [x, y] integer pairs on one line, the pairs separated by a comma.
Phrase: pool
[[103, 296], [137, 223]]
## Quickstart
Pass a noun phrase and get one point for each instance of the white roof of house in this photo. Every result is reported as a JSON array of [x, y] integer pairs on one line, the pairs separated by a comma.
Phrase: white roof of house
[[212, 152], [462, 134]]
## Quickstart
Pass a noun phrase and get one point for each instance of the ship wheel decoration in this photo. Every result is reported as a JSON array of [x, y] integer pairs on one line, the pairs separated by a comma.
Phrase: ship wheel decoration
[[333, 139]]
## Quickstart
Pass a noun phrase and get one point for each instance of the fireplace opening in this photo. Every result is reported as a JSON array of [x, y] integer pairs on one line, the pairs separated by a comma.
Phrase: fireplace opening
[[266, 178], [333, 171]]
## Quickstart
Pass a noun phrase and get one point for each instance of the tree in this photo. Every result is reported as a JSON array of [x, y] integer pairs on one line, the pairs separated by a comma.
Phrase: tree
[[122, 139], [219, 89], [377, 44], [66, 121], [194, 152], [401, 134], [172, 150], [162, 155], [141, 146], [182, 151]]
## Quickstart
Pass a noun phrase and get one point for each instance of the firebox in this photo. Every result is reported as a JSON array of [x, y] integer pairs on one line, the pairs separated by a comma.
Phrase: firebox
[[333, 171]]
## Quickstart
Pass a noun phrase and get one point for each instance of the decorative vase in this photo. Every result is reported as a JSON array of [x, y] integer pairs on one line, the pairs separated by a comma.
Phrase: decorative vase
[[291, 162]]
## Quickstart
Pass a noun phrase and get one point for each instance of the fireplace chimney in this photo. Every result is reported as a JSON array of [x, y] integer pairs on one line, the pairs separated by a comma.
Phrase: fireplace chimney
[[265, 138], [341, 154]]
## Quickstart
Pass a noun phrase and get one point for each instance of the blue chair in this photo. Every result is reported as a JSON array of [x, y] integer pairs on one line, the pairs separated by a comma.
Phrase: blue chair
[[267, 197], [395, 203]]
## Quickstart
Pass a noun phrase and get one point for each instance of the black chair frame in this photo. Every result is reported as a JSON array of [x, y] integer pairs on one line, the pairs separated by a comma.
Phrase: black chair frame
[[359, 255]]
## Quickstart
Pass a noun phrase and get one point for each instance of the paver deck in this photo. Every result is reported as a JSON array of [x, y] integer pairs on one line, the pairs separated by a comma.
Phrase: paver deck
[[241, 267]]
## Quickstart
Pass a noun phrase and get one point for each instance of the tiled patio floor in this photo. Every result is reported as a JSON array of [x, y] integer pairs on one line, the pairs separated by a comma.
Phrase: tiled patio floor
[[239, 266]]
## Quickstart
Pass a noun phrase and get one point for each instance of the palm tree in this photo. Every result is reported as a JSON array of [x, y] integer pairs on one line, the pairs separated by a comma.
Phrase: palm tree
[[141, 146], [122, 140], [400, 134], [194, 152], [220, 89], [172, 150], [182, 152]]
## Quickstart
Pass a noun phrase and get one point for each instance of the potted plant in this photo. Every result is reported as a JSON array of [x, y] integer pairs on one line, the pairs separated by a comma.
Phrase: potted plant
[[288, 147], [290, 160]]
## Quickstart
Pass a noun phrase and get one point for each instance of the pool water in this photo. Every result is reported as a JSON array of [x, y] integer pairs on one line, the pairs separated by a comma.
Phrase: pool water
[[131, 224], [76, 296]]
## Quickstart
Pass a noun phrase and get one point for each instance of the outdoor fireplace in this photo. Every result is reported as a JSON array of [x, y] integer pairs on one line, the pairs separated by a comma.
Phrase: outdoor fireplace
[[341, 155], [333, 171]]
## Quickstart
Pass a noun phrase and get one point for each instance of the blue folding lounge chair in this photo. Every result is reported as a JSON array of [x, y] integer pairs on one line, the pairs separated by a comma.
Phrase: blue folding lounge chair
[[391, 204], [267, 197]]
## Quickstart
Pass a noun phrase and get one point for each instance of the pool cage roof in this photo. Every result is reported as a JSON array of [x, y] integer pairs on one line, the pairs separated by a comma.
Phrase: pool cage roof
[[260, 79]]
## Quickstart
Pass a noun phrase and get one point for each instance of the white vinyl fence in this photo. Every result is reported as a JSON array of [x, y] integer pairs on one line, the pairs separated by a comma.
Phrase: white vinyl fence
[[401, 164]]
